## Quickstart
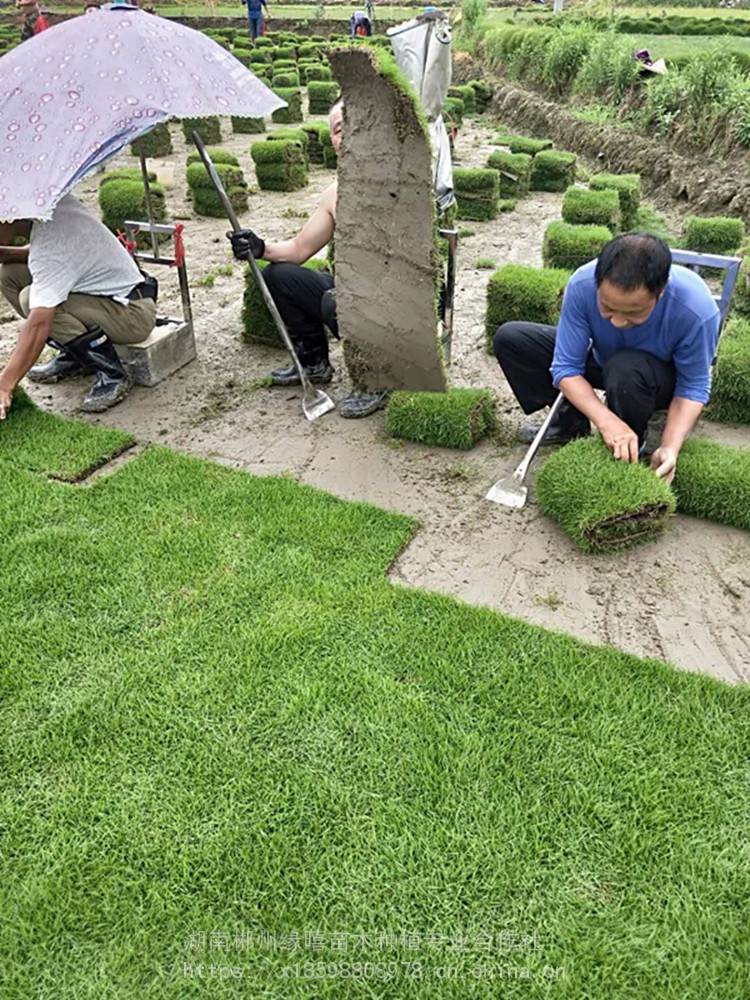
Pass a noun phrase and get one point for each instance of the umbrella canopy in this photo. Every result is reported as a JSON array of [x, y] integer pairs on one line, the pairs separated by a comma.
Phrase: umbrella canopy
[[422, 49], [73, 96]]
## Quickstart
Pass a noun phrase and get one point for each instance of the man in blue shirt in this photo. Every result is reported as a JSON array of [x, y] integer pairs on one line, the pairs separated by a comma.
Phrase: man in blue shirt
[[633, 324], [255, 16]]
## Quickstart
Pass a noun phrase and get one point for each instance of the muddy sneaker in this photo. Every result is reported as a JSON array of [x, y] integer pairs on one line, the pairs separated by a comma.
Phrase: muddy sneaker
[[322, 372], [362, 404]]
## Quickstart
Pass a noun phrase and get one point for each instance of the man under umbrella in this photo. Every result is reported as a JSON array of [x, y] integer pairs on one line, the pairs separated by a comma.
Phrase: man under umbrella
[[80, 291]]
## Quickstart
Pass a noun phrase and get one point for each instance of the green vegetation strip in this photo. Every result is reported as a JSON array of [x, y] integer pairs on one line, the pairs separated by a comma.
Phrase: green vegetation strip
[[713, 482], [33, 439], [730, 394], [603, 504], [219, 718]]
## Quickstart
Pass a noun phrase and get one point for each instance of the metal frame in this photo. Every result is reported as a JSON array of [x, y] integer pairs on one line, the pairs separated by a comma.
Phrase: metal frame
[[155, 229], [695, 261], [451, 238]]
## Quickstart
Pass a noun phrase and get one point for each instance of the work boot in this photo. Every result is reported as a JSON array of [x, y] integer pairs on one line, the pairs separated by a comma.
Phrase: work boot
[[567, 425], [63, 365], [112, 383], [362, 404], [320, 372]]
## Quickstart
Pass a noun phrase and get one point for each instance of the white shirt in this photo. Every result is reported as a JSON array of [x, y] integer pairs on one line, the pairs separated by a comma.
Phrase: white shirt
[[75, 252]]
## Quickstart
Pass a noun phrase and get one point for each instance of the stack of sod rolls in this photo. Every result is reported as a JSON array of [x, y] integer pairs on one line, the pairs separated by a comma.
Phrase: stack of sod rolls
[[516, 293], [122, 197], [514, 170], [730, 393], [157, 142], [477, 193], [318, 138], [321, 94], [552, 170], [713, 482], [285, 78], [453, 110], [584, 207], [570, 247], [458, 418], [280, 164], [209, 129], [628, 188], [293, 111], [314, 71], [298, 135], [482, 94], [465, 92], [719, 234], [522, 144], [602, 503], [248, 126], [258, 326], [205, 199]]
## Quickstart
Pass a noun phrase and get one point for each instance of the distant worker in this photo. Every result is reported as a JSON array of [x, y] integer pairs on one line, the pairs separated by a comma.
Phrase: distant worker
[[255, 16], [634, 324], [360, 25], [80, 291], [34, 20]]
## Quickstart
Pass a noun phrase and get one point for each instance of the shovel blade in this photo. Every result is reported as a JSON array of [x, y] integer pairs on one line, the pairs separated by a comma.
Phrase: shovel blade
[[508, 492], [317, 403]]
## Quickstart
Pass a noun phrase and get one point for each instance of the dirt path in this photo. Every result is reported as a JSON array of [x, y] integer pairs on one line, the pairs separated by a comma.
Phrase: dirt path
[[684, 598]]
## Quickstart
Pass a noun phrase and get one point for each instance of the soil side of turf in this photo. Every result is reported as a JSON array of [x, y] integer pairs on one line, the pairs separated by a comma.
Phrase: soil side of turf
[[685, 598]]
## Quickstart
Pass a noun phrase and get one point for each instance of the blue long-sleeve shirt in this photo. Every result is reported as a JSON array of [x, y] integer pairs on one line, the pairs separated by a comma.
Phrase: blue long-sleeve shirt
[[683, 328], [255, 7]]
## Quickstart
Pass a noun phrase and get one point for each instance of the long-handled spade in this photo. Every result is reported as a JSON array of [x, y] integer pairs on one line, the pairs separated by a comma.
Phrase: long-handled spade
[[511, 491], [315, 402]]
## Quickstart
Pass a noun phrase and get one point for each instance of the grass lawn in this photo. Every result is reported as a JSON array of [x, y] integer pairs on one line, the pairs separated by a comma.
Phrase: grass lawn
[[221, 726], [666, 46]]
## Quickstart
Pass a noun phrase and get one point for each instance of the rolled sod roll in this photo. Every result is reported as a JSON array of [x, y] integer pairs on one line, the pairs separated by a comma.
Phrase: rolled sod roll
[[274, 150], [458, 418], [217, 156], [207, 202], [293, 111], [285, 78], [477, 193], [248, 126], [603, 504], [157, 142], [321, 95], [730, 392], [318, 136], [583, 207], [713, 482], [275, 177], [318, 72], [454, 109], [517, 164], [517, 293], [198, 177], [628, 188], [482, 94], [209, 129], [552, 170], [571, 247], [126, 174], [720, 234], [465, 93], [522, 144], [123, 199], [258, 326]]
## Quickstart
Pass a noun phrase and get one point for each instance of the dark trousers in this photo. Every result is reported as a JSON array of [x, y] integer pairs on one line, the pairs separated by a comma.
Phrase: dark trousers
[[255, 24], [298, 293], [636, 383]]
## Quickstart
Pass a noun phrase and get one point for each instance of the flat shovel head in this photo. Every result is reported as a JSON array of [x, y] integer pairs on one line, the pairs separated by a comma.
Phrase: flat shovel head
[[317, 403], [508, 492]]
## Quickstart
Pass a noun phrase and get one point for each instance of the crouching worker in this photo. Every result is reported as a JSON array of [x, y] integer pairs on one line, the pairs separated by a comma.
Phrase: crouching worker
[[81, 292], [633, 324], [306, 299]]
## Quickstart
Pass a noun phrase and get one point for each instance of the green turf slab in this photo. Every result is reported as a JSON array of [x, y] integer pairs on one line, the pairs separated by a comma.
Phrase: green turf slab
[[223, 731], [33, 439], [713, 482]]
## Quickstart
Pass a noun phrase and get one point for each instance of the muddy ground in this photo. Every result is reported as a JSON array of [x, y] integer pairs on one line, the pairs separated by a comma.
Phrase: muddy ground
[[685, 598]]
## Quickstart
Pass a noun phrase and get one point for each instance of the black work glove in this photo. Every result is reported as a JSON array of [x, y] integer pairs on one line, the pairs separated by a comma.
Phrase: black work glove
[[245, 244]]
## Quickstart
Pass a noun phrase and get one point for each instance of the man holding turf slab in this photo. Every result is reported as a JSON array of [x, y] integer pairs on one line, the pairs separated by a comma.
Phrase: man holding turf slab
[[633, 324]]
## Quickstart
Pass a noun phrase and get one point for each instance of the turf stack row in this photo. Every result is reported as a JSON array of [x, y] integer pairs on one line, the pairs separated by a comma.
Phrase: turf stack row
[[204, 197], [280, 164], [122, 197]]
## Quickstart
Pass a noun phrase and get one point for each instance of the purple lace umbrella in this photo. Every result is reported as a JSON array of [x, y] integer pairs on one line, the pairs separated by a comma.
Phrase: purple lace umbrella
[[73, 96]]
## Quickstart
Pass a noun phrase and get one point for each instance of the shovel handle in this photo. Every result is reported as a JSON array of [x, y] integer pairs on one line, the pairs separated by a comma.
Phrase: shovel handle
[[257, 274], [523, 468]]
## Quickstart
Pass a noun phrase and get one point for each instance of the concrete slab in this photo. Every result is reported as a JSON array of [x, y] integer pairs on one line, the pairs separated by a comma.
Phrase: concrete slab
[[167, 349]]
